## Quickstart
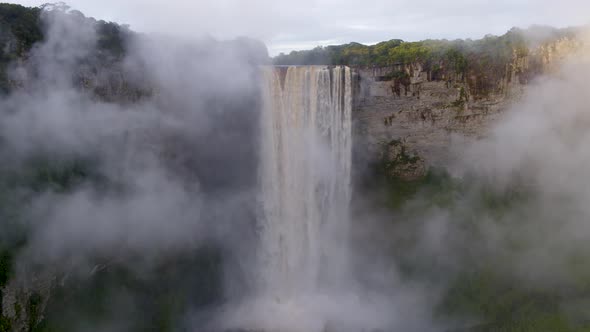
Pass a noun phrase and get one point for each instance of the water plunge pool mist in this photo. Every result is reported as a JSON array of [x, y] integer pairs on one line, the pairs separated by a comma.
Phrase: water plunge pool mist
[[306, 139]]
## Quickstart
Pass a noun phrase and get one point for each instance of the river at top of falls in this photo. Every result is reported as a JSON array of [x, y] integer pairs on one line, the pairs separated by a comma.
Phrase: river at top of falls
[[305, 177]]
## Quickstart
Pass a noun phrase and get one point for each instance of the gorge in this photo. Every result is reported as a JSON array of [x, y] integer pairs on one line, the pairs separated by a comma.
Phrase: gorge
[[150, 184]]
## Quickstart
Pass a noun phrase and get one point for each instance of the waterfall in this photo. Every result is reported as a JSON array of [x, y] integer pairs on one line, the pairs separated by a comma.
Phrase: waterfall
[[305, 175]]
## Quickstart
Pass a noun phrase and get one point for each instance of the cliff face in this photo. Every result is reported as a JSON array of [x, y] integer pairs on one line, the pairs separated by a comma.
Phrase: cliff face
[[407, 117]]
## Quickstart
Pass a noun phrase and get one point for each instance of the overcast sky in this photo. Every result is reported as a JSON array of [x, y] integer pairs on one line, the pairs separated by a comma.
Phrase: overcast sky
[[303, 24]]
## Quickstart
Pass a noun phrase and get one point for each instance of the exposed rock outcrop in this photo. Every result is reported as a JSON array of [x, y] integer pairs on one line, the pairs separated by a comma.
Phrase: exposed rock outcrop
[[398, 163], [24, 300], [427, 111]]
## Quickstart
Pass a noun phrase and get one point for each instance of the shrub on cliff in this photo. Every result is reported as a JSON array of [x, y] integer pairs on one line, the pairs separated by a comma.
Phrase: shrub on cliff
[[407, 53], [24, 24]]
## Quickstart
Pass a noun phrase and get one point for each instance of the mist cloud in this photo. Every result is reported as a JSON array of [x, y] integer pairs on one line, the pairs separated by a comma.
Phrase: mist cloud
[[175, 169]]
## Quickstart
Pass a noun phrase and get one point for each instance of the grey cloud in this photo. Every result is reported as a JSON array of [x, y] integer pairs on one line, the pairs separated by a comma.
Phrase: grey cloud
[[306, 23]]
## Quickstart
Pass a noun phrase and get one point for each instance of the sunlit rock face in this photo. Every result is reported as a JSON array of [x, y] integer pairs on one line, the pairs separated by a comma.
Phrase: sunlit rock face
[[433, 115], [305, 176]]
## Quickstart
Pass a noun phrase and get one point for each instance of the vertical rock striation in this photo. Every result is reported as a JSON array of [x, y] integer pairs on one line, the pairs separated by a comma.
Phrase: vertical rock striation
[[429, 115]]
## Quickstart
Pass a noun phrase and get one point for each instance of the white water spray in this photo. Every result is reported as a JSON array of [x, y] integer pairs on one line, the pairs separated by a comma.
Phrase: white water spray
[[304, 278], [305, 177]]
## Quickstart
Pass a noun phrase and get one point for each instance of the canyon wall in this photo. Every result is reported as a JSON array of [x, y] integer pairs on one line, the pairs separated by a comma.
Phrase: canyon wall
[[410, 126]]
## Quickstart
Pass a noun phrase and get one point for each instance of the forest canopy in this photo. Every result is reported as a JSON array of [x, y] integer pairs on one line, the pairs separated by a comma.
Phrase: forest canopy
[[429, 52], [22, 27]]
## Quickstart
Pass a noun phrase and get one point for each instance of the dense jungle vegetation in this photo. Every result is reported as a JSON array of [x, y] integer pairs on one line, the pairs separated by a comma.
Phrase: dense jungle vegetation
[[481, 63], [22, 27], [458, 54]]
